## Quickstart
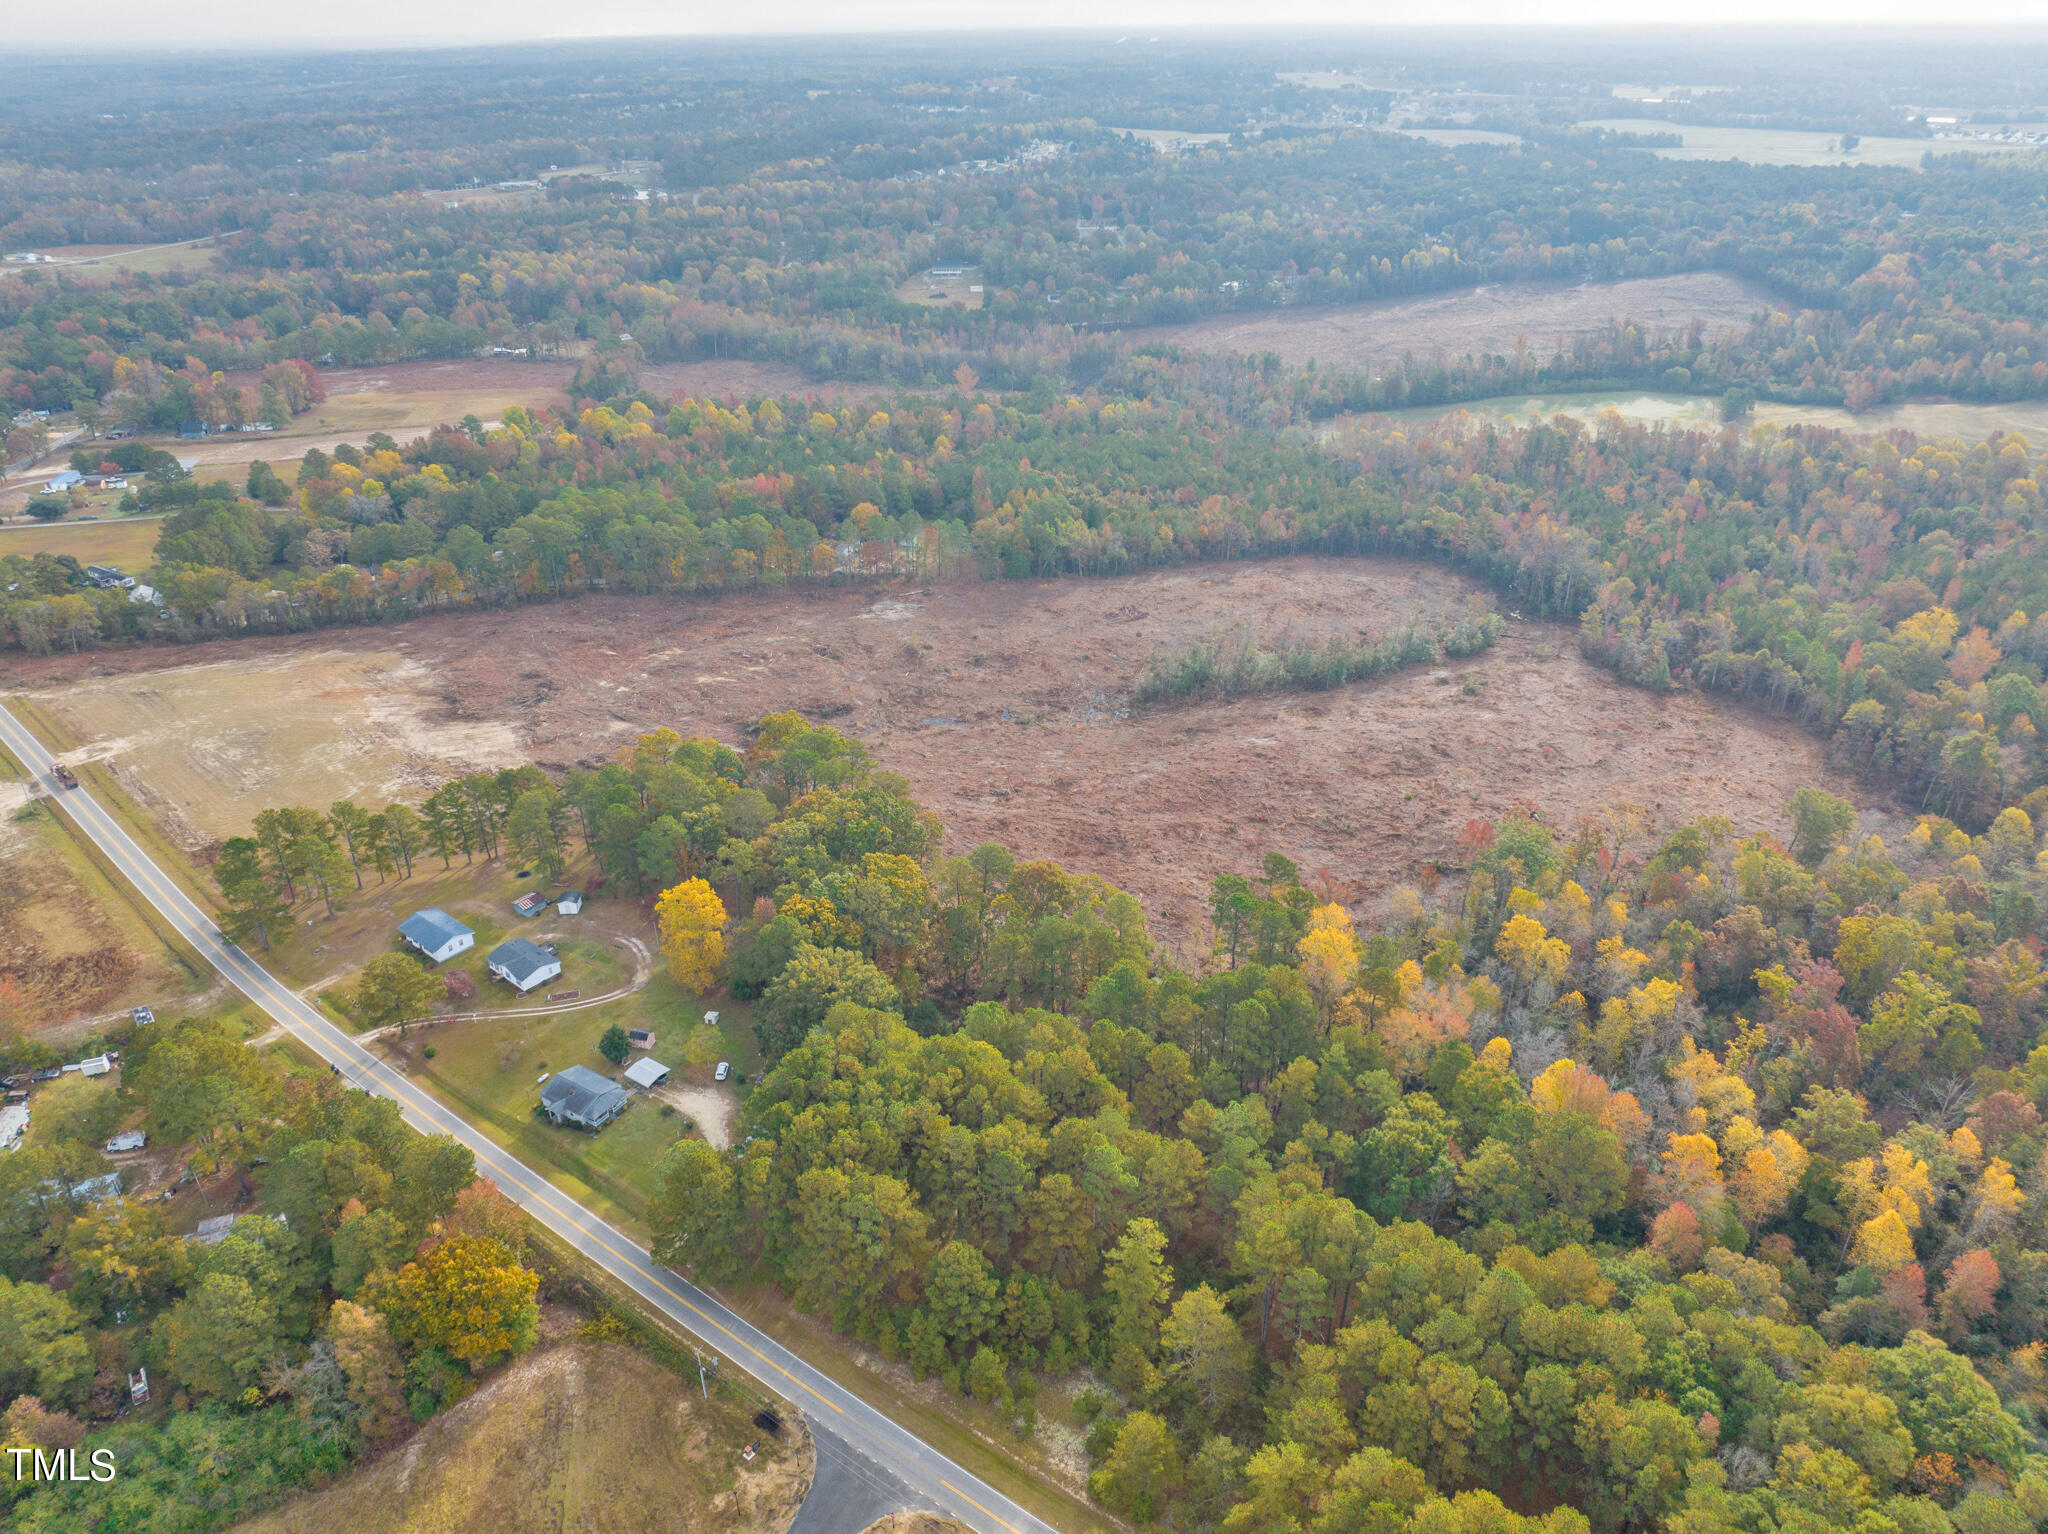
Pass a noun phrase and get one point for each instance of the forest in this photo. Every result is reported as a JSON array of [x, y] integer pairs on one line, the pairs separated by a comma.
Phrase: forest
[[1687, 1181], [1877, 592]]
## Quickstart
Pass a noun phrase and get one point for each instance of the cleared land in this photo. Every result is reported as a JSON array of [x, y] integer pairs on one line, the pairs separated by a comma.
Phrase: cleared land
[[999, 702], [1471, 321], [582, 1438], [183, 256], [1788, 146], [72, 946], [1929, 419], [127, 543], [203, 747]]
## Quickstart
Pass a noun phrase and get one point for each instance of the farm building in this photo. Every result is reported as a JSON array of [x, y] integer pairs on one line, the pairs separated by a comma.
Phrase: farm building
[[647, 1073], [640, 1038], [582, 1097], [569, 902], [436, 934], [127, 1140], [521, 964], [532, 903]]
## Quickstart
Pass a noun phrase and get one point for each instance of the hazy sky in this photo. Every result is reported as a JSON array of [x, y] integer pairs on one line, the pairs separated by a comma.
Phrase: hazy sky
[[128, 23]]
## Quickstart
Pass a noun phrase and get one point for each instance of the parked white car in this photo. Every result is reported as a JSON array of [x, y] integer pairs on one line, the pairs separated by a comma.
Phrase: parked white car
[[724, 1070]]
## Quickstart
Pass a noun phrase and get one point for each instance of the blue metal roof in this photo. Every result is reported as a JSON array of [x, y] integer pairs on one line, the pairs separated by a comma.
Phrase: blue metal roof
[[431, 928], [521, 960]]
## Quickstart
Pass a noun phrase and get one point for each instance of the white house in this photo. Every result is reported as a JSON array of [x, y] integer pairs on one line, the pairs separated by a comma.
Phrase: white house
[[436, 934], [522, 964]]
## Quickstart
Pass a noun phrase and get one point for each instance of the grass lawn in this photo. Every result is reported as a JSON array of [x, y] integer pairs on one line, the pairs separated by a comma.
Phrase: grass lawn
[[126, 543], [490, 1072]]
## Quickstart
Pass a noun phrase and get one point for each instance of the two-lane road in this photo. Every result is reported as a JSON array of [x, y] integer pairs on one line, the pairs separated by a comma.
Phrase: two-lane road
[[834, 1412]]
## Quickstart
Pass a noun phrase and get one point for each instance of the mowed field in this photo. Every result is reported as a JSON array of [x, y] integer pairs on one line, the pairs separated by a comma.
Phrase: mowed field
[[1788, 146], [577, 1438], [156, 260], [126, 544], [1471, 321], [999, 702], [204, 747]]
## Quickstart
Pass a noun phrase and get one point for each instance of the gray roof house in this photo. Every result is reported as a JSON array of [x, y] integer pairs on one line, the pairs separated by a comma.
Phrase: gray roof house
[[436, 934], [522, 964], [582, 1097]]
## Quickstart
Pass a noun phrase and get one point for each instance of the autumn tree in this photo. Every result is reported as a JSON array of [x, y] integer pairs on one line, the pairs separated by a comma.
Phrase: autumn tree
[[692, 921], [467, 1296]]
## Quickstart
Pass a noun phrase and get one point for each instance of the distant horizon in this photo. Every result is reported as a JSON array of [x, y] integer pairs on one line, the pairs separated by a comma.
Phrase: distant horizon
[[130, 26]]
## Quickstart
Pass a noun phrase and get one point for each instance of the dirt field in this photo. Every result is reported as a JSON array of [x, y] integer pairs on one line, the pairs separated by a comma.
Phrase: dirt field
[[999, 702], [71, 946], [1471, 321], [582, 1438], [203, 747]]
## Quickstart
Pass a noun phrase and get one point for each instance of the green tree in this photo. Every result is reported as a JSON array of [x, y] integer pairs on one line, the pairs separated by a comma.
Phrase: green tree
[[810, 985], [395, 988], [217, 1340], [961, 1291], [614, 1045], [467, 1296], [43, 1345], [253, 904], [1142, 1471], [1819, 822]]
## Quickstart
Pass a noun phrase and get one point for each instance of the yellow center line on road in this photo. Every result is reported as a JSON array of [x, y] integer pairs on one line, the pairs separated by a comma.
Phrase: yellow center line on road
[[985, 1512], [254, 979]]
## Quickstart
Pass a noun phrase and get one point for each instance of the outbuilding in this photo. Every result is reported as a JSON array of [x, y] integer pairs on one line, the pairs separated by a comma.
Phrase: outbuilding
[[569, 902], [436, 934], [581, 1097], [522, 964], [647, 1073]]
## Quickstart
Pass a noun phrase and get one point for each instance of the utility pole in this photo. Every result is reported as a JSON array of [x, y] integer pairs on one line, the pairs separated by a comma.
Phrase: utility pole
[[701, 1370]]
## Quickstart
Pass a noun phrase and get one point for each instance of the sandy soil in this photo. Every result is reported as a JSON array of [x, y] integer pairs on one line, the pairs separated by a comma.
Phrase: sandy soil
[[1470, 321], [712, 1108], [1001, 704]]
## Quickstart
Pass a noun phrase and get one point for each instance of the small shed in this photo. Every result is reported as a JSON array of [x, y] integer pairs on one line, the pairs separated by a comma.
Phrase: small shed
[[522, 964], [436, 934], [532, 903], [582, 1097], [138, 1386], [647, 1073], [569, 902], [13, 1125], [98, 1065], [640, 1038], [127, 1140]]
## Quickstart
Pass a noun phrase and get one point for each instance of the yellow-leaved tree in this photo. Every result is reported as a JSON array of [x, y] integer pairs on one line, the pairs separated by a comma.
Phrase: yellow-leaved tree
[[1329, 953], [692, 921]]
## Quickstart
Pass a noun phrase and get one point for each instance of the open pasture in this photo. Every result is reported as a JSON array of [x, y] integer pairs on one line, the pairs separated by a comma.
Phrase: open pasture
[[1470, 321], [1790, 146]]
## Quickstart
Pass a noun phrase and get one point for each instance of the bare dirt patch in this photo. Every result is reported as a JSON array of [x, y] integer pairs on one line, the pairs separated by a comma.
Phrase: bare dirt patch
[[1472, 321], [204, 747], [712, 1109], [1000, 703]]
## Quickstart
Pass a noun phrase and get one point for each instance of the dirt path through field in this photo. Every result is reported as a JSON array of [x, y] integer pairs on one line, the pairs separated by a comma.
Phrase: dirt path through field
[[1000, 703]]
